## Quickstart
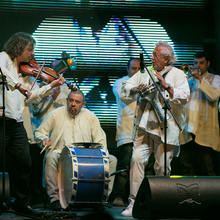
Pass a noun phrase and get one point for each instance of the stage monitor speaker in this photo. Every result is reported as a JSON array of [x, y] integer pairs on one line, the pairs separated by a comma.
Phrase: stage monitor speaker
[[7, 188], [178, 197]]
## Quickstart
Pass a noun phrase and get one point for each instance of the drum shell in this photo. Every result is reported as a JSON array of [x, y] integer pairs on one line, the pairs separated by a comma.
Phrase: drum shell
[[83, 175]]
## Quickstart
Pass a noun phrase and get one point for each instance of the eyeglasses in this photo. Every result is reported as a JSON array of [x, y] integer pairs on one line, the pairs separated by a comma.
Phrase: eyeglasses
[[156, 55]]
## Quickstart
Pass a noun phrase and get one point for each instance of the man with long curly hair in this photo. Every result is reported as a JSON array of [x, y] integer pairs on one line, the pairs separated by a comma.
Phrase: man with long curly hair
[[19, 48]]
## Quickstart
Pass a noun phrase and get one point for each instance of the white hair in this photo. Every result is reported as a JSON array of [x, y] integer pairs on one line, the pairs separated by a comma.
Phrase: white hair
[[167, 51]]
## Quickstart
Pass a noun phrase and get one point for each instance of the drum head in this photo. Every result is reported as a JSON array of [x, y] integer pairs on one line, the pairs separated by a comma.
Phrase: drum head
[[64, 178]]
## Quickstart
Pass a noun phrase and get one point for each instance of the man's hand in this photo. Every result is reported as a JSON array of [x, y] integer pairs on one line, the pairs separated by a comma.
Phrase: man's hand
[[58, 82], [196, 73], [46, 144], [135, 90], [164, 84], [56, 92], [23, 90]]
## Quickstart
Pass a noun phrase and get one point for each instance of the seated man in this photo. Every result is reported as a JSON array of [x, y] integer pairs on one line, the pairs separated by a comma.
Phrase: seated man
[[69, 124]]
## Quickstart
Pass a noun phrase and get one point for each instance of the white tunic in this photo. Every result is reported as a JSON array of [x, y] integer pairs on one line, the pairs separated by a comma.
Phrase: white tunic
[[149, 121], [125, 114], [85, 125]]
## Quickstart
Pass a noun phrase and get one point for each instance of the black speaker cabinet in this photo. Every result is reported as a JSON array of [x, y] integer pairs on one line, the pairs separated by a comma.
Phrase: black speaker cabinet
[[178, 197], [7, 188]]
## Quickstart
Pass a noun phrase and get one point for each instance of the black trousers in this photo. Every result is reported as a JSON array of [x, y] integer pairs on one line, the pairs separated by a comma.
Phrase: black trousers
[[17, 147], [121, 180], [198, 160], [36, 189]]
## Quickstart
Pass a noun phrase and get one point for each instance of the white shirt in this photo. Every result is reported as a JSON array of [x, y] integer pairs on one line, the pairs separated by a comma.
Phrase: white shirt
[[125, 114], [57, 124], [14, 100], [148, 120]]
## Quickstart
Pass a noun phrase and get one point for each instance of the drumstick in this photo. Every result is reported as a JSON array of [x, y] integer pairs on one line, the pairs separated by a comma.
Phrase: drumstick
[[43, 149]]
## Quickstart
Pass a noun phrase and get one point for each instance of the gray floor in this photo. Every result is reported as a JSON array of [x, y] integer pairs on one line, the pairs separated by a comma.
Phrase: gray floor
[[112, 212]]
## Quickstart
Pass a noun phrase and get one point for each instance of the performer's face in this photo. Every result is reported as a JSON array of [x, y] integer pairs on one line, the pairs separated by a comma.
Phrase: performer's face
[[202, 64], [133, 68], [75, 103], [158, 61], [27, 53]]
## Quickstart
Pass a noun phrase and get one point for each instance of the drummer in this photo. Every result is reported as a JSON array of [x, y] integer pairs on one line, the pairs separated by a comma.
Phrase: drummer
[[69, 124]]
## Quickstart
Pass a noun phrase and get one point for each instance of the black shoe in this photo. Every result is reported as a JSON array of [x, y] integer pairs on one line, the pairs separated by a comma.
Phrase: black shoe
[[27, 210], [56, 205]]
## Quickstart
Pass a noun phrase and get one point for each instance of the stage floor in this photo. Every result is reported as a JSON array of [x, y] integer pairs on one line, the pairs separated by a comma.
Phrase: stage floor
[[112, 212]]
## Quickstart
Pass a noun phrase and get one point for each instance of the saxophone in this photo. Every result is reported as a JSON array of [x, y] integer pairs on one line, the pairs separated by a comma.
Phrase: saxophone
[[151, 94]]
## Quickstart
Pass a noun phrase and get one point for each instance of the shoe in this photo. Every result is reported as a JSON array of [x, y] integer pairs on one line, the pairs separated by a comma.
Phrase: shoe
[[128, 211], [30, 211], [56, 205], [27, 210], [118, 202]]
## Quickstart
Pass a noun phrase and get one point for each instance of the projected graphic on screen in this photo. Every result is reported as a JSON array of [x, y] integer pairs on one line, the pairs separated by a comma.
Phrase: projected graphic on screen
[[103, 53]]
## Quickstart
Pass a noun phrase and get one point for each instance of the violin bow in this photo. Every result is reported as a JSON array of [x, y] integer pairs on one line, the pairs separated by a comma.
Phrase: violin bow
[[38, 74]]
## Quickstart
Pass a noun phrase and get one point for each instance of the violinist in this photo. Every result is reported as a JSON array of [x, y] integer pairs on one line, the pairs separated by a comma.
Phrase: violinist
[[19, 48]]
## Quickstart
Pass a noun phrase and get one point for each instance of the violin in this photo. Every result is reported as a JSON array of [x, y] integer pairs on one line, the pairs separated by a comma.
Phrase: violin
[[47, 74]]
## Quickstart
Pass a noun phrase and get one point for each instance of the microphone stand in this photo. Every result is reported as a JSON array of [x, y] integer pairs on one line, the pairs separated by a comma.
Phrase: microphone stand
[[4, 84], [165, 107]]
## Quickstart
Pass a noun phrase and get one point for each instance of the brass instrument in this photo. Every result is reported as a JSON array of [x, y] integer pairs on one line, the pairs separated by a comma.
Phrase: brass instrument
[[151, 94], [189, 69]]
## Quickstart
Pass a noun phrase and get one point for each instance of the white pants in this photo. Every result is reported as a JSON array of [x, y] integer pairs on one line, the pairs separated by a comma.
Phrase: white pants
[[51, 174], [144, 145]]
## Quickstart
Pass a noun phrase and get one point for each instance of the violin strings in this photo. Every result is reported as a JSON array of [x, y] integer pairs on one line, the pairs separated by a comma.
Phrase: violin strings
[[50, 74]]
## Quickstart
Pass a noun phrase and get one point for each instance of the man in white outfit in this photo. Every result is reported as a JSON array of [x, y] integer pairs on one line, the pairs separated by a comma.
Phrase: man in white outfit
[[69, 124], [124, 130], [125, 118], [149, 130]]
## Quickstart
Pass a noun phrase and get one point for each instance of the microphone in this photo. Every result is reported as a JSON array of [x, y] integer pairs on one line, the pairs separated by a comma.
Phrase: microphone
[[141, 62]]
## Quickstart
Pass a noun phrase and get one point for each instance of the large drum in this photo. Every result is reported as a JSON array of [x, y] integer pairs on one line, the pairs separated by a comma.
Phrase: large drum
[[83, 174]]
